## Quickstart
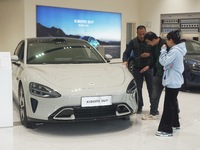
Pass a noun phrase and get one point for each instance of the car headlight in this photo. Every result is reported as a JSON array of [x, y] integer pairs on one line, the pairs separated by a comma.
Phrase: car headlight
[[131, 87], [42, 91], [195, 66]]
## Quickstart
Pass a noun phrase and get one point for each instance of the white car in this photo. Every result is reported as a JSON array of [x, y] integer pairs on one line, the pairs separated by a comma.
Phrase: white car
[[62, 79]]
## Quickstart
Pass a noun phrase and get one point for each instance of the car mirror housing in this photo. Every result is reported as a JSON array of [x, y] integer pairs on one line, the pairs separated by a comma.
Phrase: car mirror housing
[[14, 58], [108, 57]]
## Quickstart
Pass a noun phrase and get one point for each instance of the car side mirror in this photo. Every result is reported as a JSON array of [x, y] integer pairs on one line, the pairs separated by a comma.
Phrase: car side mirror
[[108, 57], [14, 58]]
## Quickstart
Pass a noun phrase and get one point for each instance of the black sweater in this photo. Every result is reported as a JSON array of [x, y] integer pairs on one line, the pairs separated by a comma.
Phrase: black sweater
[[138, 47]]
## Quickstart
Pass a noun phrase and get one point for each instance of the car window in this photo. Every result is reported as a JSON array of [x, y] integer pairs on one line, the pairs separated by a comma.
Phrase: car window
[[51, 52], [196, 47], [193, 47], [19, 51]]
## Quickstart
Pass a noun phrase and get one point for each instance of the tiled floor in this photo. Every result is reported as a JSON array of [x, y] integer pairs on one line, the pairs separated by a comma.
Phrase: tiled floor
[[135, 134]]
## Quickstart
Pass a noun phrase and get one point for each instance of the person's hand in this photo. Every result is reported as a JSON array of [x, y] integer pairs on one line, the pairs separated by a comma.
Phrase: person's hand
[[144, 69], [144, 55], [125, 63], [164, 46]]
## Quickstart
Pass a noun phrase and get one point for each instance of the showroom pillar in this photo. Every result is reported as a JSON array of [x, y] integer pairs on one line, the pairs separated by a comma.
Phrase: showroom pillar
[[6, 103]]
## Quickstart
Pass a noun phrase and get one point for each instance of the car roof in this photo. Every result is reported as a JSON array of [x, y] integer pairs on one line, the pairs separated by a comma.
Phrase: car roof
[[185, 40], [53, 38]]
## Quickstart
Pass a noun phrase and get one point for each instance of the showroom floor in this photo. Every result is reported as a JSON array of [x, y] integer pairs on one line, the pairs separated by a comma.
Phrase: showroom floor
[[135, 134]]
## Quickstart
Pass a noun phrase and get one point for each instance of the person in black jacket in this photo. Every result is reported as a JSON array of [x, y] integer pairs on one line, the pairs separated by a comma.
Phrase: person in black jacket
[[143, 62], [156, 42]]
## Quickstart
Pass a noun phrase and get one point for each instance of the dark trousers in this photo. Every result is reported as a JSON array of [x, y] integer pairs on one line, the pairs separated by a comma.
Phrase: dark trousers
[[139, 79], [170, 116], [156, 93]]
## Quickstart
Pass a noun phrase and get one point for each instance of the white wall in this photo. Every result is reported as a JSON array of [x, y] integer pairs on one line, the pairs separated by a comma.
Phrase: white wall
[[11, 24], [150, 10]]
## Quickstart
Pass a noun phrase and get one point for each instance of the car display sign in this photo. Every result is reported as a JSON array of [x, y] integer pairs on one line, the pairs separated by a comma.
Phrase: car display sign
[[96, 101]]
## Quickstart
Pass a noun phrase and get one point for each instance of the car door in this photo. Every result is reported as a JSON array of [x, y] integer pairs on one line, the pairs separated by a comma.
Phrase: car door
[[17, 67]]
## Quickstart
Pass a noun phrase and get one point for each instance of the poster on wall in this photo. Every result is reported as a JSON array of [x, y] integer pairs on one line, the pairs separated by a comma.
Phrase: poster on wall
[[96, 27]]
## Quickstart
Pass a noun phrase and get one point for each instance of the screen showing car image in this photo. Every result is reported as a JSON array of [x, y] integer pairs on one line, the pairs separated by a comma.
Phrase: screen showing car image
[[96, 27]]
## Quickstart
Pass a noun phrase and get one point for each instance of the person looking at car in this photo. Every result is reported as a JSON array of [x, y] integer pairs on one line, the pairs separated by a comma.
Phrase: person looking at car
[[172, 61], [156, 42], [142, 64]]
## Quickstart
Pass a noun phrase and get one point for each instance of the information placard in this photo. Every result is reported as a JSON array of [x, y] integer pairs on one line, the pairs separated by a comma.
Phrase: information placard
[[6, 107]]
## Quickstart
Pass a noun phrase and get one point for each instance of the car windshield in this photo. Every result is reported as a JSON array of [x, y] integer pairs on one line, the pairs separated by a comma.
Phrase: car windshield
[[193, 47], [61, 51]]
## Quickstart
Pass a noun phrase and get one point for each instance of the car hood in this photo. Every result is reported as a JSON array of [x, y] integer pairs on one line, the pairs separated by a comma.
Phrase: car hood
[[78, 76], [192, 57]]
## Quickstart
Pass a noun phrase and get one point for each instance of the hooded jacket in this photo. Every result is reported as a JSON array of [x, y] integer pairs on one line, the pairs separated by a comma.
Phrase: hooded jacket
[[158, 68], [172, 61]]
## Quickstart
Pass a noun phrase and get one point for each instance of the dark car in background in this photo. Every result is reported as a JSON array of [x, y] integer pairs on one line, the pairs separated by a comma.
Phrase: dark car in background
[[191, 63]]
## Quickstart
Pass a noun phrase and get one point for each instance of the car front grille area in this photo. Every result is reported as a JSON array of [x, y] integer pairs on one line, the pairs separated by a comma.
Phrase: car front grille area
[[90, 113]]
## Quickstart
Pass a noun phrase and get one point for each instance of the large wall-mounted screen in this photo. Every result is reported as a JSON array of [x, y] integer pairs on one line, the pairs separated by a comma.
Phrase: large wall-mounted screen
[[98, 28]]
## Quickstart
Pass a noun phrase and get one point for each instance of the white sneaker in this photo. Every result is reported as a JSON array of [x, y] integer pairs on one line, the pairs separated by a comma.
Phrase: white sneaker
[[175, 128], [163, 134], [150, 117]]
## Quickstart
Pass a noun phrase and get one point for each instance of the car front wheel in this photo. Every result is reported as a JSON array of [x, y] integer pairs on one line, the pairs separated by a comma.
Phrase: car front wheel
[[130, 65], [22, 110]]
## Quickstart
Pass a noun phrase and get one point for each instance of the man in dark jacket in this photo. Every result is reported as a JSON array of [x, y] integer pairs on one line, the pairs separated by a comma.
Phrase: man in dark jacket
[[156, 42], [143, 62]]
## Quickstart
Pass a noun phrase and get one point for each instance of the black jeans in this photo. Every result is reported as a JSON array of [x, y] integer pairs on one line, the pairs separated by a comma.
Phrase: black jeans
[[139, 79], [170, 116], [156, 93]]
